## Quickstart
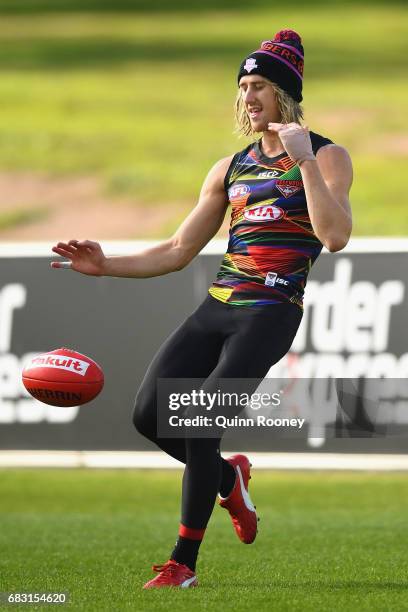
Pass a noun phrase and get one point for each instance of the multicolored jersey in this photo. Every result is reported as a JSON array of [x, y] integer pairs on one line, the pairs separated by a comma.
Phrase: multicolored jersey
[[271, 245]]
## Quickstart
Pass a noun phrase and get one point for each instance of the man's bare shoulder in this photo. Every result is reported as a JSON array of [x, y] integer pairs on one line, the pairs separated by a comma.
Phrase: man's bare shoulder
[[224, 163], [215, 177], [333, 150]]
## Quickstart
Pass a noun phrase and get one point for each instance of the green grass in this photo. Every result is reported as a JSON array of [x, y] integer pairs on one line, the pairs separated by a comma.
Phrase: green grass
[[327, 541], [14, 218], [144, 100]]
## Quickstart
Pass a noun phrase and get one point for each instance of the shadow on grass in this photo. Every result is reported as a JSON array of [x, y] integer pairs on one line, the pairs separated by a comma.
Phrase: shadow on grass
[[188, 6], [103, 52]]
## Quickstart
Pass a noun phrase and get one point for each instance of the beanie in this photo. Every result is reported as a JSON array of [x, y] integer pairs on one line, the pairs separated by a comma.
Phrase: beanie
[[280, 60]]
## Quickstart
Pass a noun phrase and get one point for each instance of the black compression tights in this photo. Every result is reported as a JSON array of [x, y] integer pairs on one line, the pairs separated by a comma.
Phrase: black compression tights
[[217, 341]]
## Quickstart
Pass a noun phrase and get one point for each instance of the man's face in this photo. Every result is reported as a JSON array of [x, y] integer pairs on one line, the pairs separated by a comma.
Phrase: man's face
[[260, 102]]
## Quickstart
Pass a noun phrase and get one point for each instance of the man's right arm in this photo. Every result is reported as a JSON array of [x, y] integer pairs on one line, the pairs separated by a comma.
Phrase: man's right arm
[[173, 254]]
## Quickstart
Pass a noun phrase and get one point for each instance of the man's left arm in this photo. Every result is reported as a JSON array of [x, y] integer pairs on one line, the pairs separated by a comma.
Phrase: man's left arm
[[327, 181]]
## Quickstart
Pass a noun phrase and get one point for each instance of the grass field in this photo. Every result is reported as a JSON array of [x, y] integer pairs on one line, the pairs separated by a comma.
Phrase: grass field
[[327, 541], [143, 100]]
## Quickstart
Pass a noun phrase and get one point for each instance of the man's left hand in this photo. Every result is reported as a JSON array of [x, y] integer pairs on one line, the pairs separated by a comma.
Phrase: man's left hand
[[295, 139]]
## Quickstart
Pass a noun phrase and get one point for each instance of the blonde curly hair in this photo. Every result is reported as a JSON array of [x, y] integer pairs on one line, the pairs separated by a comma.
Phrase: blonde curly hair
[[290, 110]]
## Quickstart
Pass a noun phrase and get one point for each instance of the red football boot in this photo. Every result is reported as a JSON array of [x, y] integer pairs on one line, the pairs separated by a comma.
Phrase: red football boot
[[239, 504], [172, 574]]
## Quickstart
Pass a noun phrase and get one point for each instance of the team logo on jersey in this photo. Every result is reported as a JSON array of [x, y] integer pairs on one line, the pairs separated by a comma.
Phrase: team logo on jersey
[[269, 174], [263, 212], [250, 64], [237, 192], [289, 188]]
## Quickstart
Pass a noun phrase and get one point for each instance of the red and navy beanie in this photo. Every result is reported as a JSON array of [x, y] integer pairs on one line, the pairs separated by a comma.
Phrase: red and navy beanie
[[280, 60]]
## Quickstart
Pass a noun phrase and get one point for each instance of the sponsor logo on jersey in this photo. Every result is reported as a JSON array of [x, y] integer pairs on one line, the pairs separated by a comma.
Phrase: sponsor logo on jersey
[[273, 279], [264, 212], [288, 188], [269, 174], [250, 64], [236, 192], [60, 362]]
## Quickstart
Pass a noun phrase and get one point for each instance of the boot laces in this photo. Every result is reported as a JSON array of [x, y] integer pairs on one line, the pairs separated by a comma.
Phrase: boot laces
[[167, 569]]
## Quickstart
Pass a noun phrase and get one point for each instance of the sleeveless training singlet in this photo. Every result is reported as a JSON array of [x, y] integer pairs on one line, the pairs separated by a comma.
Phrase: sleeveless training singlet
[[271, 245]]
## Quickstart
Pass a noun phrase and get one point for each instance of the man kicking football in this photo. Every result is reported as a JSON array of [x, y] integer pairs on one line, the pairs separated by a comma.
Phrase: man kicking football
[[288, 192]]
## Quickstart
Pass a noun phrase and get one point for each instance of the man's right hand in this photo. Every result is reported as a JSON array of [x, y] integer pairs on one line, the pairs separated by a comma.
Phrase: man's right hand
[[86, 257], [172, 254]]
